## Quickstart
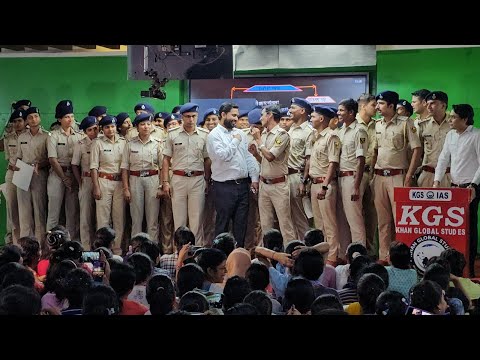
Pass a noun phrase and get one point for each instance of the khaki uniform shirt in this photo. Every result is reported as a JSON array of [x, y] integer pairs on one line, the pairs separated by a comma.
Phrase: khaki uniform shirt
[[325, 149], [370, 129], [432, 136], [81, 154], [277, 141], [187, 151], [139, 156], [10, 143], [106, 155], [60, 145], [354, 141], [299, 136], [155, 132], [392, 140], [33, 149]]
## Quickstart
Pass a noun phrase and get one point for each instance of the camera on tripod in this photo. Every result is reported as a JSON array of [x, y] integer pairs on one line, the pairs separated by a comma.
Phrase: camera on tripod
[[155, 91]]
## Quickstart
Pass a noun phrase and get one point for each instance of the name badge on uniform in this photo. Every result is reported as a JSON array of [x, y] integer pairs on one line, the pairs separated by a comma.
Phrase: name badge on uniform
[[426, 135], [23, 143], [61, 144], [88, 152], [107, 150], [134, 152], [378, 133], [178, 143], [12, 145]]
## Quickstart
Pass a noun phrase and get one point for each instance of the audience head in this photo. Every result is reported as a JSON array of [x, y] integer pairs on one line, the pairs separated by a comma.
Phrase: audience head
[[160, 294], [189, 277], [225, 242], [260, 300]]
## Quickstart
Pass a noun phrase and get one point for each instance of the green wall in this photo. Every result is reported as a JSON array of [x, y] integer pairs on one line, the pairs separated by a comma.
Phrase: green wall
[[455, 71], [87, 81]]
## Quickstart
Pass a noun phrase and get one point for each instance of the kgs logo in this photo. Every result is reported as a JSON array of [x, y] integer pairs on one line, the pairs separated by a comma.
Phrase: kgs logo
[[425, 247]]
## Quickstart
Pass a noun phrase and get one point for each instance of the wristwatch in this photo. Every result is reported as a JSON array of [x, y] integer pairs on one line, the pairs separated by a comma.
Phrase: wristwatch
[[304, 180], [324, 187]]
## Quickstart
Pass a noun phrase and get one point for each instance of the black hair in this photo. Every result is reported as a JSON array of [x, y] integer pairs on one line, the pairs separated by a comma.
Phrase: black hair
[[235, 290], [369, 288], [299, 292], [108, 253], [258, 276], [210, 259], [56, 273], [378, 269], [357, 266], [225, 242], [242, 309], [182, 236], [226, 107], [391, 303], [76, 284], [464, 111], [273, 240], [426, 295], [100, 300], [421, 94], [309, 264], [160, 294], [143, 266], [437, 273], [141, 237], [122, 280], [70, 250], [456, 260], [7, 268], [104, 237], [56, 237], [355, 247], [176, 109], [400, 255], [260, 300], [189, 277], [350, 105], [291, 245], [194, 301], [10, 253], [19, 276], [151, 249], [31, 248], [276, 112], [326, 301], [20, 301], [313, 237]]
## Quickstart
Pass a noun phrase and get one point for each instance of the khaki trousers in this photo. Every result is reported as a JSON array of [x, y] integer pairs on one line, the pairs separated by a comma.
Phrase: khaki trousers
[[143, 191], [111, 210], [275, 199], [353, 209], [383, 197], [426, 179], [299, 218], [32, 208], [325, 216], [13, 222], [87, 213], [57, 193], [188, 204]]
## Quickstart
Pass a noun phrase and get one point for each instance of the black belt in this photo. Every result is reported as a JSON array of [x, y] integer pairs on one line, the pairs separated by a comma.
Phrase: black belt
[[236, 182], [464, 185]]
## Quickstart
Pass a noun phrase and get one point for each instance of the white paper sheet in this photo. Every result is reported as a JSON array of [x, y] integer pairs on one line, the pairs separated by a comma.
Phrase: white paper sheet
[[23, 177], [307, 206]]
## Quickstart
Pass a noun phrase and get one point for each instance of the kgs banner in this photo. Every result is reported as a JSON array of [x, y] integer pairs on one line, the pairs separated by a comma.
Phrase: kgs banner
[[432, 220]]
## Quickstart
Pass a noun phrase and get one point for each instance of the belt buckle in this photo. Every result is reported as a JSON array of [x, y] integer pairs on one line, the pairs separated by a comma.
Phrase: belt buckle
[[237, 181], [268, 181], [144, 173], [386, 172], [188, 173]]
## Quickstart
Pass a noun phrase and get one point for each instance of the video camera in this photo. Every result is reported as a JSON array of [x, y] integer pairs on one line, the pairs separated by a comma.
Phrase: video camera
[[155, 91]]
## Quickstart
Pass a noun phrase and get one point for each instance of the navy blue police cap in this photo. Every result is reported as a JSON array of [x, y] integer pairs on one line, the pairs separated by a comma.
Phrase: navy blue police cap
[[254, 116], [142, 117], [389, 96], [98, 111], [108, 120], [63, 108], [144, 106], [324, 110], [406, 105], [171, 117], [437, 95], [189, 107], [87, 122], [31, 110], [302, 103], [17, 114], [23, 102]]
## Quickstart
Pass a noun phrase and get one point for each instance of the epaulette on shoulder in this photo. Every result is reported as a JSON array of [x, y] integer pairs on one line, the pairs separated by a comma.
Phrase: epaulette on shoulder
[[173, 129], [403, 118], [203, 130]]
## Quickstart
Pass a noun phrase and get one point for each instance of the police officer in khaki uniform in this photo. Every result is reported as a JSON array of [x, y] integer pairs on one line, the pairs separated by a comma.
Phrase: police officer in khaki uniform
[[186, 147], [366, 111], [253, 235], [32, 204], [242, 121], [140, 176], [61, 184], [404, 108], [352, 183], [124, 123], [432, 133], [391, 166], [274, 193], [209, 121], [300, 132], [10, 143], [158, 119], [105, 160], [419, 105], [81, 171], [98, 112], [156, 132], [323, 152]]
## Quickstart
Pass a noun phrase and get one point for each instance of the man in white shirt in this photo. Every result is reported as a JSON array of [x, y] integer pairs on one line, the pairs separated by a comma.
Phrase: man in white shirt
[[233, 169], [461, 151]]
